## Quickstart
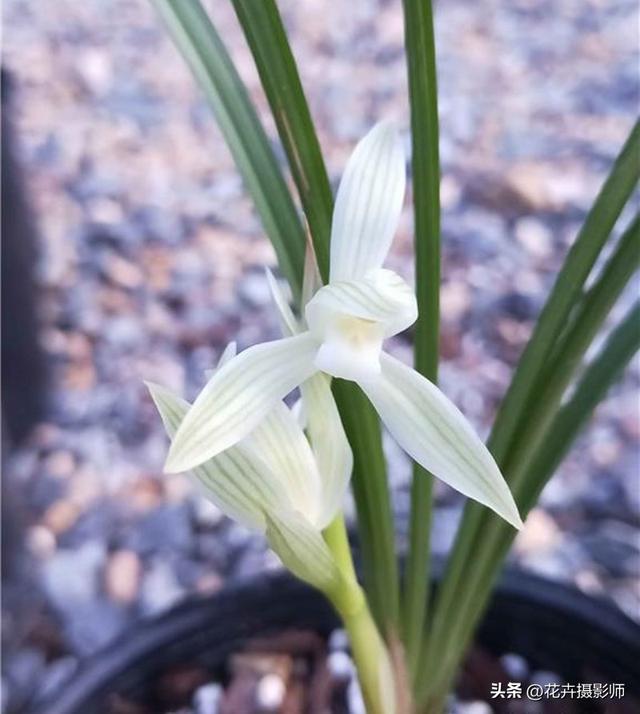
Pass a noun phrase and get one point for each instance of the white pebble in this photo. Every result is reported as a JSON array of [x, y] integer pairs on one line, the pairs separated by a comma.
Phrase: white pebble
[[542, 677], [340, 665], [40, 541], [270, 692], [473, 708], [354, 698], [515, 665], [338, 641], [206, 699], [535, 237]]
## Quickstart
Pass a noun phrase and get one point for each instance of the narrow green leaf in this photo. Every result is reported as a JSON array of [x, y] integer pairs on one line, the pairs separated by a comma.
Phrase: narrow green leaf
[[603, 371], [479, 568], [564, 297], [276, 66], [425, 162], [591, 315], [567, 290], [201, 46]]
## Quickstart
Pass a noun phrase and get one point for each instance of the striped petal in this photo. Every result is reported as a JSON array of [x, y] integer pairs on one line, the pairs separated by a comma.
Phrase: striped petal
[[237, 481], [281, 443], [238, 397], [368, 204], [381, 296], [229, 352], [302, 550], [288, 322], [329, 443], [436, 434], [352, 318], [311, 280]]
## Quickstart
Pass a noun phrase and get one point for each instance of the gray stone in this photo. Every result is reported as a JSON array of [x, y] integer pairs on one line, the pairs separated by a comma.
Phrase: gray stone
[[165, 529], [93, 625], [254, 290], [160, 588], [71, 577]]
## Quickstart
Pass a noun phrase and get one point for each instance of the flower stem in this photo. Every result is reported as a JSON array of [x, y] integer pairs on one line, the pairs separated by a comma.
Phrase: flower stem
[[368, 650]]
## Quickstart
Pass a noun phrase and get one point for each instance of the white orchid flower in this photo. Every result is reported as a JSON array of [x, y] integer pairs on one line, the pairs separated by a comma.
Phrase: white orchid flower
[[347, 322], [274, 480]]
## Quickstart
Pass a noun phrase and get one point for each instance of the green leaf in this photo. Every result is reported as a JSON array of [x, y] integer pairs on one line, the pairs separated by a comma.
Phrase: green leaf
[[276, 66], [477, 569], [425, 163], [567, 290], [603, 371], [201, 46], [565, 296]]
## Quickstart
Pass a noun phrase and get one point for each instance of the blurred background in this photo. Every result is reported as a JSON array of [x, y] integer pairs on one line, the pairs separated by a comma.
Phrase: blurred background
[[132, 252]]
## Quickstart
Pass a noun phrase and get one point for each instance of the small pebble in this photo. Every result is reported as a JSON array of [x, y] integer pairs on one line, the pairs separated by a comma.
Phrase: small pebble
[[516, 666], [60, 516], [540, 534], [476, 707], [160, 588], [339, 641], [354, 697], [122, 576], [542, 677], [206, 699], [41, 541], [206, 513], [270, 692], [535, 237], [340, 666]]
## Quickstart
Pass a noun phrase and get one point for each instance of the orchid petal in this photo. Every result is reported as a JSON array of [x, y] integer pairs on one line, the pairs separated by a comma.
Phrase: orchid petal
[[368, 204], [432, 430], [380, 296], [300, 413], [238, 397], [229, 352], [302, 550], [237, 480], [288, 322], [329, 443], [281, 443], [311, 280]]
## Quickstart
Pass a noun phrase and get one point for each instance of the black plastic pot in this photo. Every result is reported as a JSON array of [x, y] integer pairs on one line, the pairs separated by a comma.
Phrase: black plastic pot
[[554, 627]]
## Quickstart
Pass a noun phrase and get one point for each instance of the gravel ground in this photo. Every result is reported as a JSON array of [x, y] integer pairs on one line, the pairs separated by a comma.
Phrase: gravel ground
[[152, 260]]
